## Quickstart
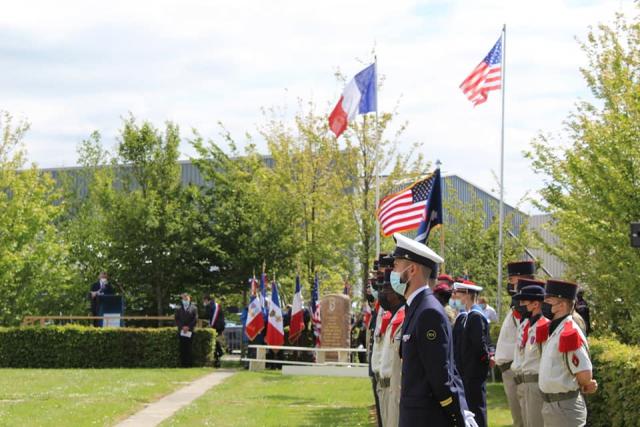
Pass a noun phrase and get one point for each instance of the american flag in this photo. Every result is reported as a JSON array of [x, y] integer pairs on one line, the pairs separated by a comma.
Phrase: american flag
[[487, 76], [406, 209]]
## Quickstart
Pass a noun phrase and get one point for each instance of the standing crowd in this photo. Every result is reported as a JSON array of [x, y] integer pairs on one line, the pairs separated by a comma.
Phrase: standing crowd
[[431, 350]]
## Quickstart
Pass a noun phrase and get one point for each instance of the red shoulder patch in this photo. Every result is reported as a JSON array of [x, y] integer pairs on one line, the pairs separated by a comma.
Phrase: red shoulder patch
[[542, 329], [575, 360], [386, 318], [397, 321], [570, 339]]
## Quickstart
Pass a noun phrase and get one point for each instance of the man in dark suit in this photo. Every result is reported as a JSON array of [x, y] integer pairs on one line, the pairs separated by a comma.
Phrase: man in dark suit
[[473, 350], [215, 315], [99, 288], [432, 392], [186, 319]]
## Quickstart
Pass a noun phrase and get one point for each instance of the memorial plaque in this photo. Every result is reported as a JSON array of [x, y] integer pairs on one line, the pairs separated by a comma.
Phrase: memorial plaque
[[335, 315]]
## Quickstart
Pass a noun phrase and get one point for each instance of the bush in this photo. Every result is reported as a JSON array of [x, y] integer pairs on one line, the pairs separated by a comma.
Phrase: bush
[[616, 367], [86, 347]]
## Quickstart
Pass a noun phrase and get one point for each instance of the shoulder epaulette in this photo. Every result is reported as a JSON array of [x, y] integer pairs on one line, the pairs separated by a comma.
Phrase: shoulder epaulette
[[397, 321], [386, 318], [542, 329], [570, 339]]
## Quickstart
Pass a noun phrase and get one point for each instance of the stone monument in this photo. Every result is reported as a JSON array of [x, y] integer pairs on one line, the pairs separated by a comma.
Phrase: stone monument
[[335, 315]]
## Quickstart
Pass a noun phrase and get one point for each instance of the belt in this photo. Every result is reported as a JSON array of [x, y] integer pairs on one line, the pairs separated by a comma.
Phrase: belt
[[384, 382], [525, 378], [557, 397], [504, 367]]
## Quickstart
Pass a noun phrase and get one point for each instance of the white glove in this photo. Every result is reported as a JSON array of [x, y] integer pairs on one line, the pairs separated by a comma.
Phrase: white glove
[[470, 419]]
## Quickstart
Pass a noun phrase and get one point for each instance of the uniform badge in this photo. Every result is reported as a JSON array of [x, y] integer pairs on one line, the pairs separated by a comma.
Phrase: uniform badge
[[431, 335], [575, 360], [405, 338]]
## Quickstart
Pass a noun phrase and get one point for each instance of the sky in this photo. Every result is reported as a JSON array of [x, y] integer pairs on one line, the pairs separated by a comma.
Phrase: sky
[[72, 67]]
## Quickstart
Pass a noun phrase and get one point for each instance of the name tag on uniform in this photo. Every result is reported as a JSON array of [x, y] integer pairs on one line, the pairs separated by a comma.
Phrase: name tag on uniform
[[406, 338]]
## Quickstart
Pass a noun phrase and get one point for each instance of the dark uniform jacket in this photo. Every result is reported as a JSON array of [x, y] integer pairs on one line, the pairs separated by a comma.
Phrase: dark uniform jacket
[[473, 345], [187, 317], [432, 391]]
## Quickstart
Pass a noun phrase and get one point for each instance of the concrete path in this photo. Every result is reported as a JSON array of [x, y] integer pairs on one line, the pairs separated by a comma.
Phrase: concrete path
[[164, 408]]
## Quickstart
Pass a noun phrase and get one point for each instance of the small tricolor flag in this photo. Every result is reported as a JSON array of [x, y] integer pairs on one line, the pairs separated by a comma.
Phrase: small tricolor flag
[[255, 318], [275, 327], [297, 314], [358, 97], [487, 76]]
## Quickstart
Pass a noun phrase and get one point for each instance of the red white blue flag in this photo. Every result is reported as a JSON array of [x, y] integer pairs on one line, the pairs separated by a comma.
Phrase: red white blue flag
[[297, 314], [358, 97], [487, 76], [275, 327], [255, 318]]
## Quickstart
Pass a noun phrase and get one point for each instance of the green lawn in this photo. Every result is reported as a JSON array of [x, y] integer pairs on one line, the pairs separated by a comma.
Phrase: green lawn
[[101, 397], [82, 397], [272, 399]]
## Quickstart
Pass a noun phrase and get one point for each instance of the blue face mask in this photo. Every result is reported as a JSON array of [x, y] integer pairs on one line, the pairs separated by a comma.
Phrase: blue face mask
[[456, 304], [374, 293], [396, 283], [185, 303]]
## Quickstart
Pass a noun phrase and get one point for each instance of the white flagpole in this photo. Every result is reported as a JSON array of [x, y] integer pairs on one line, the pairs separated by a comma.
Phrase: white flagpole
[[500, 234], [375, 165]]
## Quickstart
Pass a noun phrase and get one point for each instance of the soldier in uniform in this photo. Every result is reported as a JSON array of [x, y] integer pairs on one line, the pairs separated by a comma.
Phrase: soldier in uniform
[[507, 339], [390, 363], [532, 334], [473, 351], [565, 367], [432, 393]]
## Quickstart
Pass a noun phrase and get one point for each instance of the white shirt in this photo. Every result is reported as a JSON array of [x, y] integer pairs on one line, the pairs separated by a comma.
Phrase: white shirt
[[391, 365], [376, 350], [507, 340], [490, 314], [414, 294], [558, 370], [526, 358]]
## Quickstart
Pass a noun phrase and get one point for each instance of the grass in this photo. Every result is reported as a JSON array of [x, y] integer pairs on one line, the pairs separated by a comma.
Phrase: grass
[[102, 397], [497, 407], [83, 397], [273, 399]]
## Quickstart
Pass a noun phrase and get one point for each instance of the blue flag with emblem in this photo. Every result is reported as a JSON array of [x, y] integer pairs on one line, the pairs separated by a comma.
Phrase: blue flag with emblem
[[433, 209]]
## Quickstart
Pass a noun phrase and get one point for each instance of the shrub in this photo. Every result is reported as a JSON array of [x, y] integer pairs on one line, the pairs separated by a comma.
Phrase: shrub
[[86, 347], [616, 367]]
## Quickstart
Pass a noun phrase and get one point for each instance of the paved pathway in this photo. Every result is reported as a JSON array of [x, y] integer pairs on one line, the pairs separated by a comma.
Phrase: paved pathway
[[164, 408]]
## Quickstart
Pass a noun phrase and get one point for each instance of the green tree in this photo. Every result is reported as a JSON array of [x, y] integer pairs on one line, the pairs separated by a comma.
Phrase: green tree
[[139, 223], [250, 218], [593, 178], [35, 276]]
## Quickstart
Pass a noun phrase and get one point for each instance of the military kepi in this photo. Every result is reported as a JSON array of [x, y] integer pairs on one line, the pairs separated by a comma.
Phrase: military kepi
[[521, 268], [561, 289], [522, 283], [411, 250]]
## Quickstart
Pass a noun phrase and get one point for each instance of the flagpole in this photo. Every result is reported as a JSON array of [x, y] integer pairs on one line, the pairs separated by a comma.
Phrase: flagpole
[[500, 233], [375, 164], [444, 266]]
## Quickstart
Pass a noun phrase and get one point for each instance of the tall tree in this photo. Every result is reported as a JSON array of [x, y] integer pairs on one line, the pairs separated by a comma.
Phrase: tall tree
[[35, 276], [593, 178]]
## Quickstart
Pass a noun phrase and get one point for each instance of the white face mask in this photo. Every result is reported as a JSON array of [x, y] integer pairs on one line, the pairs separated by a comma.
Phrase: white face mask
[[103, 281]]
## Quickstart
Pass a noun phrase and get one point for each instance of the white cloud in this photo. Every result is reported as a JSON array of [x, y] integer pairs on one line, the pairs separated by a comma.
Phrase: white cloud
[[74, 66]]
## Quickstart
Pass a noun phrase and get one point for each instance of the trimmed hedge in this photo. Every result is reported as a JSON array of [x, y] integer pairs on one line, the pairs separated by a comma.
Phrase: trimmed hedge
[[86, 347], [616, 367]]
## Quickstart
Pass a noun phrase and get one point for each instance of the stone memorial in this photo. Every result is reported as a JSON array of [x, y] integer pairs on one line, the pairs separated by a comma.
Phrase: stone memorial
[[335, 315]]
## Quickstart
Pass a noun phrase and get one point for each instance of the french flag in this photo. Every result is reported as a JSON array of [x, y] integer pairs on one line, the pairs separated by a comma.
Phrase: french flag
[[359, 97], [255, 319], [275, 328], [297, 319]]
